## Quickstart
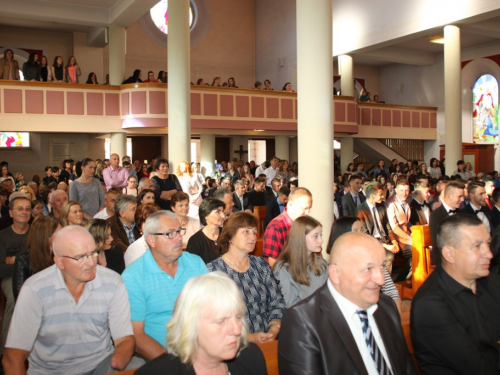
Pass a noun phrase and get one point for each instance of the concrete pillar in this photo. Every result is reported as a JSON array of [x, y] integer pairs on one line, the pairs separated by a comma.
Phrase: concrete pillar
[[346, 153], [315, 106], [346, 75], [207, 153], [282, 147], [179, 103], [452, 98], [116, 54], [119, 144]]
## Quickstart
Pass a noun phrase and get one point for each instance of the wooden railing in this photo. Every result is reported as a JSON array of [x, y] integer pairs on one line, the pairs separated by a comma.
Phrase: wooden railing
[[410, 149]]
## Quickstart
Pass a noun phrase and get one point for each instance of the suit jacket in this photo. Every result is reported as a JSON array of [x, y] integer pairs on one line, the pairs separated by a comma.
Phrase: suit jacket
[[495, 217], [437, 216], [237, 204], [348, 207], [485, 210], [272, 210], [399, 220], [270, 195], [257, 199], [119, 234], [326, 345], [368, 225], [417, 216]]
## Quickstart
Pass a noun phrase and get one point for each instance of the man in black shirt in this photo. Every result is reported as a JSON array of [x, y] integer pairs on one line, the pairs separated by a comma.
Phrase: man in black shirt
[[455, 325]]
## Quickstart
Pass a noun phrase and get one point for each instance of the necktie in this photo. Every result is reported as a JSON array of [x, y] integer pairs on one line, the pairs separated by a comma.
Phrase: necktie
[[355, 201], [379, 360], [241, 202]]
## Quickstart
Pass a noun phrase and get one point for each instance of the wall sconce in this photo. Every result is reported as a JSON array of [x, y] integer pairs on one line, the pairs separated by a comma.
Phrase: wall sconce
[[282, 61], [400, 88]]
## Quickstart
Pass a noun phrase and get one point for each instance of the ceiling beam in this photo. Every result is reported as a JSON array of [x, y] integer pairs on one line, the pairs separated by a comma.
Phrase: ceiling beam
[[400, 56], [126, 12], [486, 28]]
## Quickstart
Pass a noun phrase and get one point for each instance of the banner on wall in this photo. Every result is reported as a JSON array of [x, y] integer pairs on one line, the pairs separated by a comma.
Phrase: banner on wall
[[485, 110], [14, 139]]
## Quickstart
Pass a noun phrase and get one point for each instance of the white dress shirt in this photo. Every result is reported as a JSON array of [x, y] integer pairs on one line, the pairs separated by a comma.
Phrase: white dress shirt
[[482, 217], [353, 321]]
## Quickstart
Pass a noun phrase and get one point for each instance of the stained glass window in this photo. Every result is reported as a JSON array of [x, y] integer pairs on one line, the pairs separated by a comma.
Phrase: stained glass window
[[159, 15], [485, 109]]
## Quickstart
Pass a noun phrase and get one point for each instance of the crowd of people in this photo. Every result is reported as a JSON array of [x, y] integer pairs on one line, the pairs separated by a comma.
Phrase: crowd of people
[[111, 265]]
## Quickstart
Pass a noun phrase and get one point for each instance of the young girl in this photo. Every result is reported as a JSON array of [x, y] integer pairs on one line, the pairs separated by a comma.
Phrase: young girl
[[131, 188], [57, 70]]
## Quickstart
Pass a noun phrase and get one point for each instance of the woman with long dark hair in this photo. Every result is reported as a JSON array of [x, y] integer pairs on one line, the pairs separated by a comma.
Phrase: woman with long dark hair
[[31, 68]]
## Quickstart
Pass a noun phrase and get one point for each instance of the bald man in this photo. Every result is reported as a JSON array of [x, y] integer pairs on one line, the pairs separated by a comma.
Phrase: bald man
[[346, 326], [114, 175]]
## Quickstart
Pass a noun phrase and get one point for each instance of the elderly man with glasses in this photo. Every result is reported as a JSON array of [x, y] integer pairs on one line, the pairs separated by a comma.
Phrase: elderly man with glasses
[[154, 280], [73, 317]]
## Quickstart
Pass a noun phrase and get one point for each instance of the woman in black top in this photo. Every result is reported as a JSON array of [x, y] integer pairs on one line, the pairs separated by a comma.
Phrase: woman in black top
[[44, 70], [204, 243], [31, 68], [57, 70], [110, 256], [165, 184]]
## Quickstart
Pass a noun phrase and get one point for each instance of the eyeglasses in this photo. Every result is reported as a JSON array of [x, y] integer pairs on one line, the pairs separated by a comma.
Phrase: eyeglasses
[[84, 257], [172, 234]]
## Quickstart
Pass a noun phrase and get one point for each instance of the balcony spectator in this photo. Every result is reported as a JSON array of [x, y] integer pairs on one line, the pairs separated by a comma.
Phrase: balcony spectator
[[31, 68], [151, 78], [200, 82], [376, 99], [45, 75], [9, 68], [364, 96], [134, 78], [92, 79], [107, 80], [231, 82], [288, 87], [258, 85], [57, 70], [216, 82], [267, 85], [162, 76], [73, 71]]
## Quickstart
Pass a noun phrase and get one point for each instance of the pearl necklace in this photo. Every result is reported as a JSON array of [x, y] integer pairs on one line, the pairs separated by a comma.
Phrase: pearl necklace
[[232, 264]]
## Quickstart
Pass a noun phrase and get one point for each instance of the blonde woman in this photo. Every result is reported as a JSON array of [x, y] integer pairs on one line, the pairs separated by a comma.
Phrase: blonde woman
[[25, 189], [71, 214]]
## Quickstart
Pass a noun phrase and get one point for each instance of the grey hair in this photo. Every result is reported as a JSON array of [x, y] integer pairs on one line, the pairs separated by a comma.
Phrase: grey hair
[[219, 193], [238, 183], [152, 224], [56, 193], [122, 202], [32, 183]]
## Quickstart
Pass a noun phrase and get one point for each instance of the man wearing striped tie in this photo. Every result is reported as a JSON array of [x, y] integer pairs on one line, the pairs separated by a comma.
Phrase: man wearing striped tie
[[346, 326]]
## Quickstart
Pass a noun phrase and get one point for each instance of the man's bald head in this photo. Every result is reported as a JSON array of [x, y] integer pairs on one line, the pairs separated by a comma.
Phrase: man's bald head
[[68, 235]]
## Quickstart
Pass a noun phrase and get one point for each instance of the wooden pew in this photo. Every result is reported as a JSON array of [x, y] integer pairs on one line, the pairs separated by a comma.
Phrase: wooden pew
[[260, 213], [259, 244], [421, 256], [126, 372], [270, 351]]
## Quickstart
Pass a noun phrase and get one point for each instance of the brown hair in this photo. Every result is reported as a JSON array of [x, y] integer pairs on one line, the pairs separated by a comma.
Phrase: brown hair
[[38, 244], [143, 212], [232, 224], [178, 197], [141, 195], [98, 228], [295, 255]]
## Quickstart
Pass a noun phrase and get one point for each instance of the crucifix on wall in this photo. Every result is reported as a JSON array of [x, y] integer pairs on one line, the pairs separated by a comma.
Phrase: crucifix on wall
[[241, 152]]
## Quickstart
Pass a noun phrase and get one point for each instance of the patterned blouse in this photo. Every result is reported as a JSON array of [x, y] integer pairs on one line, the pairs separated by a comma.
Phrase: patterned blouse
[[259, 290]]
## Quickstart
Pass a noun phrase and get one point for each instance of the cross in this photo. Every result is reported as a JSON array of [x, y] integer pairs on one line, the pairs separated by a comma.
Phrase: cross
[[241, 152]]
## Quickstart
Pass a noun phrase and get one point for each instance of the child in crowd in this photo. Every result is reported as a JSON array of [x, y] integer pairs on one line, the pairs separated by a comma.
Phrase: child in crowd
[[131, 188]]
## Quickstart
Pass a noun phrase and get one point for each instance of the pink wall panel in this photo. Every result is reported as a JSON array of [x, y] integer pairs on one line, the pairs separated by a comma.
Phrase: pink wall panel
[[125, 104], [138, 103], [351, 112], [113, 104], [340, 112], [226, 105], [210, 105], [13, 101], [195, 104], [386, 117], [433, 121], [343, 128], [425, 119], [396, 118], [365, 116], [415, 119], [287, 108], [157, 103], [272, 105], [406, 119], [34, 101], [55, 102], [203, 123], [242, 106], [376, 116], [95, 104], [75, 103], [257, 107]]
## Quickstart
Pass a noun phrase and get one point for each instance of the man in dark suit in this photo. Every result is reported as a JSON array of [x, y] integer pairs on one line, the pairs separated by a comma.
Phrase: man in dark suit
[[477, 204], [374, 222], [454, 315], [240, 199], [495, 210], [354, 198], [420, 210], [275, 188], [276, 206], [123, 228], [346, 326], [452, 199], [257, 195]]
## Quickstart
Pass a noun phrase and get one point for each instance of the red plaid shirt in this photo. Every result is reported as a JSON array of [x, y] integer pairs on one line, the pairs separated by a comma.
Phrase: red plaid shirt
[[276, 234]]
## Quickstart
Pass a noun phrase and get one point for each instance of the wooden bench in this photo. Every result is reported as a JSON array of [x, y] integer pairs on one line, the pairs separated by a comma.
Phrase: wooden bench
[[421, 256], [270, 351], [260, 213], [259, 245]]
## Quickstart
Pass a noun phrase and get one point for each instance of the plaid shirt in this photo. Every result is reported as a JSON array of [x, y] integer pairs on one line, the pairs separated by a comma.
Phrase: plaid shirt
[[130, 232], [276, 234]]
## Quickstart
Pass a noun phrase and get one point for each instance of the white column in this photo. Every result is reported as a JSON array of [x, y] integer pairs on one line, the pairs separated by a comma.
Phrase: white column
[[452, 98], [179, 104], [346, 153], [207, 153], [116, 54], [119, 144], [282, 147], [315, 105], [346, 75]]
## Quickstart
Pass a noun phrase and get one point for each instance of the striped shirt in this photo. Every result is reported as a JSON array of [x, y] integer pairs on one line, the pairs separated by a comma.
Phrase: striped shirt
[[65, 337]]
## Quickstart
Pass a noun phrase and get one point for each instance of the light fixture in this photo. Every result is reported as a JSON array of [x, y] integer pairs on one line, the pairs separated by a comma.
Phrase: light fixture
[[259, 130], [438, 40]]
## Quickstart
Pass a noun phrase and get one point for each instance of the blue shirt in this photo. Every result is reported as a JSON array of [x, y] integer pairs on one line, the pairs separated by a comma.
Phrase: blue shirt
[[152, 292], [280, 205]]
